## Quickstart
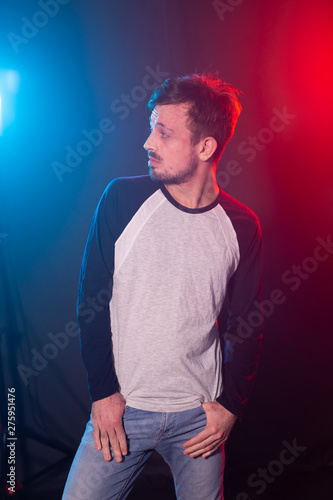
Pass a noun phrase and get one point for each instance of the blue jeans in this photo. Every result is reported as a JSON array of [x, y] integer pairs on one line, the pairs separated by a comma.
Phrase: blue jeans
[[92, 478]]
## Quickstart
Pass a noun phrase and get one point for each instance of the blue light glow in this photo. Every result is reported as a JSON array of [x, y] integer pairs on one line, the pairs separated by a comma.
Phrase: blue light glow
[[9, 86]]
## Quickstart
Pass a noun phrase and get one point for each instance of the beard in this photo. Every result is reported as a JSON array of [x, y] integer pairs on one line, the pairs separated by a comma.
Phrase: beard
[[180, 177]]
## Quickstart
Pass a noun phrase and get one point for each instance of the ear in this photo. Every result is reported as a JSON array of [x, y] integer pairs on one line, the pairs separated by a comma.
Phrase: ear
[[207, 148]]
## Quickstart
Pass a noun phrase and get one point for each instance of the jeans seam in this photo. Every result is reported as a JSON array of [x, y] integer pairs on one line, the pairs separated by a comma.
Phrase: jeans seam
[[130, 477], [160, 432], [174, 425]]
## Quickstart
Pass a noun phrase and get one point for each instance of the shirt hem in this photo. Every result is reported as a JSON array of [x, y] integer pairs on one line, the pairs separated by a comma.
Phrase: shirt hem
[[162, 408]]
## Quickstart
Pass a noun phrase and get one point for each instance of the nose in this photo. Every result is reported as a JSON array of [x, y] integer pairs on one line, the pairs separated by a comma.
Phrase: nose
[[148, 145]]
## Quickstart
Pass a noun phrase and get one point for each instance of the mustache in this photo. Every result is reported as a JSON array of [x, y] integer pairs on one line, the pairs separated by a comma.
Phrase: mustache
[[155, 156]]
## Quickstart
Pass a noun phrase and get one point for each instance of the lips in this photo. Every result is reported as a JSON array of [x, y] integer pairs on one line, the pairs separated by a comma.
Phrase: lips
[[152, 160]]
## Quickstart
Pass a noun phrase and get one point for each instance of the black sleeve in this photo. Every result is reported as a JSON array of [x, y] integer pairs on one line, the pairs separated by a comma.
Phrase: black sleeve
[[95, 291], [242, 340]]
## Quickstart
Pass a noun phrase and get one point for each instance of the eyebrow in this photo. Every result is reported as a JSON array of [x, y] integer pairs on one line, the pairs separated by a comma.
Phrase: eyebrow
[[162, 125]]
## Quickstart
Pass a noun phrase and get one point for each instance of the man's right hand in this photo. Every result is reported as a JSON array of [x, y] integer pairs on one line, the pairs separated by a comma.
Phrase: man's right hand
[[108, 427]]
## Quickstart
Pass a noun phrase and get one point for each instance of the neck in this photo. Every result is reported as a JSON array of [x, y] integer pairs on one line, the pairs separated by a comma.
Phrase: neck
[[198, 192]]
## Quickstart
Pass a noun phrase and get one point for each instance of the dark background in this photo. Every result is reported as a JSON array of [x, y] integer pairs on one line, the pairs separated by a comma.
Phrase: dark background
[[65, 76]]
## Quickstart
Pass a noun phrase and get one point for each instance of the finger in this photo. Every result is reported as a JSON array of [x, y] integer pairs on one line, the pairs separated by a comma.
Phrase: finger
[[115, 445], [106, 446], [119, 445], [200, 445], [197, 439], [207, 454], [122, 441], [204, 447], [206, 451], [205, 437], [97, 439]]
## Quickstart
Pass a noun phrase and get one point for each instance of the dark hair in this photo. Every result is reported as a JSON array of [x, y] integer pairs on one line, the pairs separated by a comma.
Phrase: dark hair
[[214, 106]]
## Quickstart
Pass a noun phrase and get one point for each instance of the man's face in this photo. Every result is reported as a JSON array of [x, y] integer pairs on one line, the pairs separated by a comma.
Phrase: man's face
[[172, 156]]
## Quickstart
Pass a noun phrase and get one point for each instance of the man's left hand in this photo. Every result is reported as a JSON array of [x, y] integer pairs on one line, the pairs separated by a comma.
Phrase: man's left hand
[[219, 425]]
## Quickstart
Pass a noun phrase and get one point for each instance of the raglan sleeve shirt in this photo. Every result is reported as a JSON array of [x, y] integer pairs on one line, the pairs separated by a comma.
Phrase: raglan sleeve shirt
[[241, 342], [95, 290]]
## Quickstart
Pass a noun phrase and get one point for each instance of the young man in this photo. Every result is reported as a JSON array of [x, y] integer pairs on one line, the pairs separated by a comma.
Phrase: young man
[[163, 254]]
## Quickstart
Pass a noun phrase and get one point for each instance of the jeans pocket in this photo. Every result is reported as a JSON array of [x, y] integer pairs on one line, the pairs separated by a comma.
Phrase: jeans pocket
[[127, 409]]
